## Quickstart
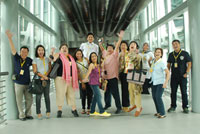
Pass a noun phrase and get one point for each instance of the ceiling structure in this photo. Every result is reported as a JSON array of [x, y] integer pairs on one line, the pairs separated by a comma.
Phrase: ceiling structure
[[101, 17]]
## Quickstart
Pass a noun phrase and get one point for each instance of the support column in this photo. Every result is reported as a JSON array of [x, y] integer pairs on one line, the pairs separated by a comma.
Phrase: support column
[[194, 21], [9, 20]]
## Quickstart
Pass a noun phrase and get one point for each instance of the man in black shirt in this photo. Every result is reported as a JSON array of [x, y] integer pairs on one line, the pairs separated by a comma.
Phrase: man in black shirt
[[180, 63], [21, 79]]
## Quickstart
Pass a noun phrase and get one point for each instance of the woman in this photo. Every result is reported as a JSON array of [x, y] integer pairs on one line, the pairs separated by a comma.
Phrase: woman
[[94, 72], [66, 81], [42, 67], [133, 61], [160, 78], [123, 74], [86, 91]]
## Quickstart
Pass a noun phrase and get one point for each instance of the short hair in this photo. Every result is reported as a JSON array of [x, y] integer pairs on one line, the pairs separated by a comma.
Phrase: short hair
[[176, 41], [146, 44], [125, 42], [137, 46], [77, 50], [110, 45], [36, 50], [63, 44], [24, 47], [90, 58], [90, 34], [160, 50]]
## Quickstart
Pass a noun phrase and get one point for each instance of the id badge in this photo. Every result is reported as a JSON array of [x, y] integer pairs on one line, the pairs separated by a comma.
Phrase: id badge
[[151, 70], [175, 65], [99, 80], [21, 72]]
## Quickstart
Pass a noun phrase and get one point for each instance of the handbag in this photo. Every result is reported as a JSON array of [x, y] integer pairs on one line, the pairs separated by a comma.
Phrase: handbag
[[54, 70], [137, 76], [35, 86]]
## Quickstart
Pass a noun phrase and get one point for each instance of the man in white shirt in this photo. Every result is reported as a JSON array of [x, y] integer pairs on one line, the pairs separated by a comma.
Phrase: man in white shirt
[[90, 46], [146, 56]]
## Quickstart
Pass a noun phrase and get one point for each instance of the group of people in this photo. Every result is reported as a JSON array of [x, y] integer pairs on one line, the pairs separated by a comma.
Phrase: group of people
[[84, 71]]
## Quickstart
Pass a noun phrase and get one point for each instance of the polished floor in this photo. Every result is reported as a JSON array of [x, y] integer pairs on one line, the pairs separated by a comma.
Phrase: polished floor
[[124, 123]]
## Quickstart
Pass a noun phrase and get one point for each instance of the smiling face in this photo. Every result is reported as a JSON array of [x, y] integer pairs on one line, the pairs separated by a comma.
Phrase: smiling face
[[110, 50], [123, 47], [40, 52], [145, 47], [90, 38], [176, 46], [79, 55], [64, 50], [133, 46], [94, 58], [24, 53], [158, 54]]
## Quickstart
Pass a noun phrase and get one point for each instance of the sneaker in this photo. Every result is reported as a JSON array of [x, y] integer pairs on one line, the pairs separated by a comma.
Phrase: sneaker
[[186, 110], [171, 109], [161, 116], [59, 114], [88, 112], [105, 114], [47, 115], [83, 111], [28, 117], [118, 111], [23, 119], [130, 109], [75, 113], [137, 113], [157, 114], [95, 114]]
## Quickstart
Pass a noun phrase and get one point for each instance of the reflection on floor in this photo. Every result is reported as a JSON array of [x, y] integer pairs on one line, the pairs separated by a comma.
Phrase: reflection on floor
[[124, 123]]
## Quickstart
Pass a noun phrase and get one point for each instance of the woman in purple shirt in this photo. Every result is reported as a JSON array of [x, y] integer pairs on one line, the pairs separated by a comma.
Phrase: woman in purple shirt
[[94, 72]]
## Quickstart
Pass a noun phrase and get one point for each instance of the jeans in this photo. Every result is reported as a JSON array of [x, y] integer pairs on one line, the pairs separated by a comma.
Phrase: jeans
[[112, 88], [96, 99], [125, 92], [175, 81], [46, 97], [86, 94], [157, 92]]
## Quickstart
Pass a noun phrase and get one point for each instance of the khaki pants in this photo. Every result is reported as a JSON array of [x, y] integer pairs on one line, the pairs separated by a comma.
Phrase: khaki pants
[[64, 90], [135, 94], [20, 91]]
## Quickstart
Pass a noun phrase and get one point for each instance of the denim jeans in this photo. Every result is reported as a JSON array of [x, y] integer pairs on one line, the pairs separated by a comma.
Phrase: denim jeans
[[96, 99], [46, 97], [157, 92], [86, 94], [112, 88]]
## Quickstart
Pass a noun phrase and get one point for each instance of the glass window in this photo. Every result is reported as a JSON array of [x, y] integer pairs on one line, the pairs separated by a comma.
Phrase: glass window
[[161, 8], [37, 8], [151, 17], [154, 39]]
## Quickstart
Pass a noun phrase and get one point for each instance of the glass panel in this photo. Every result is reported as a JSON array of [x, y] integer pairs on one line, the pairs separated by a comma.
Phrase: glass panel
[[37, 8], [151, 17], [175, 3], [154, 39], [161, 8]]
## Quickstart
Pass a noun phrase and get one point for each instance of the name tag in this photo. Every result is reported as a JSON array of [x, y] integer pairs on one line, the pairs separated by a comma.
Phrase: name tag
[[21, 72], [175, 65]]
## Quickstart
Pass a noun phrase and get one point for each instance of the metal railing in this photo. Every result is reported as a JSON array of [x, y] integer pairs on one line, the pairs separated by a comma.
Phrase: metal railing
[[2, 97]]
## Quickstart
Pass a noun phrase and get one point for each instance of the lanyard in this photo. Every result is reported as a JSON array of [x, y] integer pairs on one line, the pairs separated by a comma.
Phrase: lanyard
[[154, 64], [176, 57], [22, 63], [43, 60]]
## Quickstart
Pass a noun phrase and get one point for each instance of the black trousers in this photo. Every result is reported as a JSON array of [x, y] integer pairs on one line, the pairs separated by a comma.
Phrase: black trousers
[[112, 88], [124, 88], [86, 94], [175, 81], [146, 86], [46, 98]]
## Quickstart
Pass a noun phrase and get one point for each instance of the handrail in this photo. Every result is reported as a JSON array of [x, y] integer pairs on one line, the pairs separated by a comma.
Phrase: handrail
[[3, 73]]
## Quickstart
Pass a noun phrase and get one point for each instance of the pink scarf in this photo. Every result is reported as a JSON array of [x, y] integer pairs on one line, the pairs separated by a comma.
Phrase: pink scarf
[[67, 71]]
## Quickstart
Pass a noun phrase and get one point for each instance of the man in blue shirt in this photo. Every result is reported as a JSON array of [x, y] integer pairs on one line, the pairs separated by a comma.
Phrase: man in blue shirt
[[21, 79]]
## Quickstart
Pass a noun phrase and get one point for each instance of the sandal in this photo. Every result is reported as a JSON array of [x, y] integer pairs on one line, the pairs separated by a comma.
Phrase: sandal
[[83, 111], [157, 114], [88, 112]]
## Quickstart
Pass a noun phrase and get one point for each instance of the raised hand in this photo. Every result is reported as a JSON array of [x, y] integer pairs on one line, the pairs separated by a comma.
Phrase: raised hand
[[9, 34], [121, 34]]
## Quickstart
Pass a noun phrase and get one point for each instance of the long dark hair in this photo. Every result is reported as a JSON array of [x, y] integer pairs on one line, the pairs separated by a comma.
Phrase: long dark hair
[[36, 50], [90, 58], [137, 46], [77, 50]]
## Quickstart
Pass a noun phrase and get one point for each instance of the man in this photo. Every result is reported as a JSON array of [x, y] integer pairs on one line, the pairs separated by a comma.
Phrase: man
[[146, 57], [111, 69], [89, 46], [180, 63], [21, 79]]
